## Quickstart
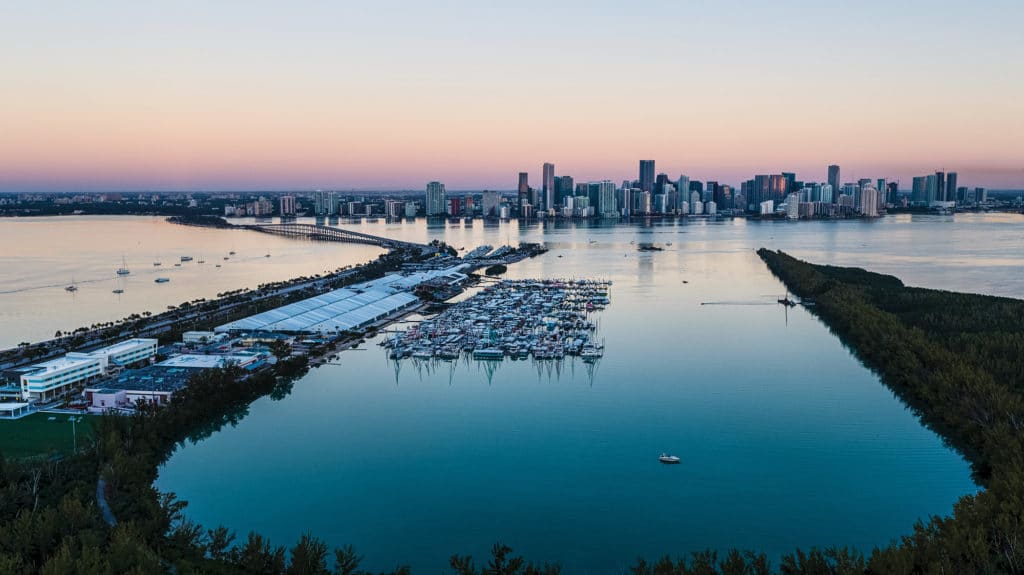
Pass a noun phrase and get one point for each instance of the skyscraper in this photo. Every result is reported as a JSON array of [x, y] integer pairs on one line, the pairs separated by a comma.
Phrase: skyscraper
[[682, 191], [606, 199], [548, 186], [940, 188], [833, 177], [524, 190], [951, 187], [646, 175], [919, 191], [434, 201]]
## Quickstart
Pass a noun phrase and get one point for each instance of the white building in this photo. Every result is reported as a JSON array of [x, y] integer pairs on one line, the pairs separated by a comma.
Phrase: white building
[[125, 353], [793, 206], [711, 208], [434, 201], [869, 201], [202, 337], [51, 379], [767, 207]]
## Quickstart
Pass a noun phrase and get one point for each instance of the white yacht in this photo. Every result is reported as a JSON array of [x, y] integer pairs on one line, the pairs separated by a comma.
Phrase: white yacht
[[669, 459]]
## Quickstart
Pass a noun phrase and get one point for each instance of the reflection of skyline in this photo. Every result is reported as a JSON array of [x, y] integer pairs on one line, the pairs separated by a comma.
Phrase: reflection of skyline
[[116, 98]]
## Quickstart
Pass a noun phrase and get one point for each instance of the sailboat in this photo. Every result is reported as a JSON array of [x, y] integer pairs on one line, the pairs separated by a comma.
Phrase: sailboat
[[123, 270]]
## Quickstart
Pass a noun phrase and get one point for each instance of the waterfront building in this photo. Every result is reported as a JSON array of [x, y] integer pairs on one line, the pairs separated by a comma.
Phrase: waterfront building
[[767, 207], [710, 189], [940, 187], [51, 379], [627, 201], [490, 203], [646, 175], [931, 185], [434, 200], [682, 192], [606, 199], [696, 202], [869, 201], [126, 353], [833, 177], [548, 186], [951, 187], [410, 210], [793, 206], [919, 191], [684, 207], [54, 378], [777, 187], [711, 208], [318, 203], [287, 205], [523, 196], [564, 186], [980, 195]]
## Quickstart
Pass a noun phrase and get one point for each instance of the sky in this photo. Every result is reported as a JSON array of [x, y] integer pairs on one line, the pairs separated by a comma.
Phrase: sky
[[233, 94]]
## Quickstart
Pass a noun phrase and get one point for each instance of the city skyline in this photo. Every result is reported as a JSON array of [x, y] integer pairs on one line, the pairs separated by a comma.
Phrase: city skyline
[[446, 93]]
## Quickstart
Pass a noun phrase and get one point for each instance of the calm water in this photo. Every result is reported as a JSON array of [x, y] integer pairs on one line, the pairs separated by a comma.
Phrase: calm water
[[786, 439]]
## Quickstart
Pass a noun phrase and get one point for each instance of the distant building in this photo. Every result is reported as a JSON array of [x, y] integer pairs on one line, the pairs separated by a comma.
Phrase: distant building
[[869, 201], [435, 199], [767, 207], [696, 203], [833, 177], [647, 175], [711, 208], [287, 205], [548, 186], [793, 206], [491, 202], [523, 195], [50, 379]]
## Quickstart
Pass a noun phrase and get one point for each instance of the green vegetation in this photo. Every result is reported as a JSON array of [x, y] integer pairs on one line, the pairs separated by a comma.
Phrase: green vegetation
[[958, 361], [36, 434]]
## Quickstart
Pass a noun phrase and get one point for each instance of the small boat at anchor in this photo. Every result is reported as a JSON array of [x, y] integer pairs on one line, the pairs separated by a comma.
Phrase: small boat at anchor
[[668, 459]]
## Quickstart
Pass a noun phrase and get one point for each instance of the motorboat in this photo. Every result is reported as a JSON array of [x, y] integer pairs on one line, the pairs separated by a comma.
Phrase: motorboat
[[186, 258], [488, 353], [668, 459], [71, 287], [162, 280], [118, 290]]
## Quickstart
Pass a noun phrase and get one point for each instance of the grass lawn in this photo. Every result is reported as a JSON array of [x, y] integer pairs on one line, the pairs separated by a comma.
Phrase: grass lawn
[[37, 435]]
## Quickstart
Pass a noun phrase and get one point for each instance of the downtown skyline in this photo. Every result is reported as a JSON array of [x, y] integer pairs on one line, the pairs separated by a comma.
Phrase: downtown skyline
[[470, 94]]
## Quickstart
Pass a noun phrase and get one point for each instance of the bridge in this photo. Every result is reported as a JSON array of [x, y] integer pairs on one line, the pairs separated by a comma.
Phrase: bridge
[[329, 234]]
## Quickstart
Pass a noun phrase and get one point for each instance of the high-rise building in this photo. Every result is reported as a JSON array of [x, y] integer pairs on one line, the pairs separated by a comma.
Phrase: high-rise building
[[606, 199], [435, 201], [833, 177], [696, 203], [682, 191], [869, 200], [940, 187], [548, 186], [951, 187], [892, 192], [287, 204], [710, 189], [563, 189], [793, 206], [931, 184], [319, 203], [790, 181], [490, 204], [523, 195], [777, 188], [646, 175], [919, 191], [331, 204]]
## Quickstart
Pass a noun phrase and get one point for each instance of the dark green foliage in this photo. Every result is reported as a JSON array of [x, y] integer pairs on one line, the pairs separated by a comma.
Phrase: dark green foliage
[[958, 361]]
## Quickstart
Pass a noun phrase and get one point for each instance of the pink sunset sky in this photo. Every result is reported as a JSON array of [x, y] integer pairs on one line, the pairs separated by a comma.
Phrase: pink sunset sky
[[390, 95]]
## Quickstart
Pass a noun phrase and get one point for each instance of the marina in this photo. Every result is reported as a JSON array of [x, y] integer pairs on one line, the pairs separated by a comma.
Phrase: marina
[[515, 319]]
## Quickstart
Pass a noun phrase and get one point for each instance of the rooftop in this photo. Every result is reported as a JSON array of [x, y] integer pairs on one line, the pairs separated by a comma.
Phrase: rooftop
[[123, 346], [192, 361]]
